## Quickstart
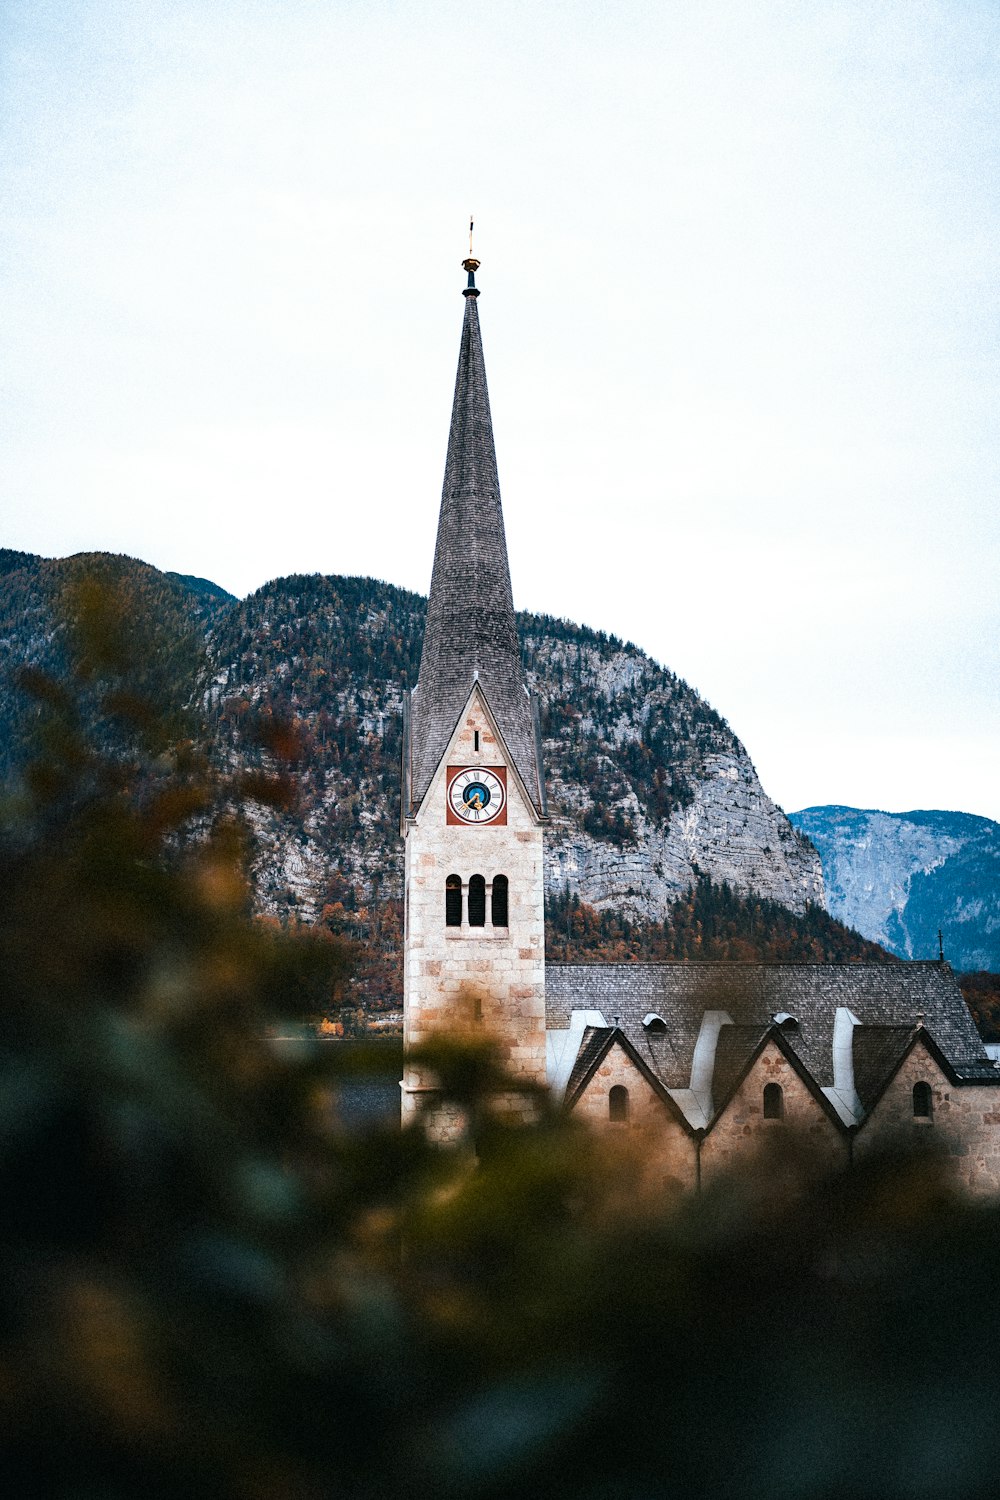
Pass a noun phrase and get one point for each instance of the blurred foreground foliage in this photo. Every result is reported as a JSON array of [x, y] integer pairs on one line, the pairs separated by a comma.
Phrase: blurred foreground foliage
[[210, 1286]]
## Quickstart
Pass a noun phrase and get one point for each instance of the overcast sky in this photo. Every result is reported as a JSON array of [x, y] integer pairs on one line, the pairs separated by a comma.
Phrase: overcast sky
[[739, 307]]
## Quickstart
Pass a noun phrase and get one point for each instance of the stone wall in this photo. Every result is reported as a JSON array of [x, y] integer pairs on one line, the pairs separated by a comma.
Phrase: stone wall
[[669, 1147], [965, 1122], [740, 1128]]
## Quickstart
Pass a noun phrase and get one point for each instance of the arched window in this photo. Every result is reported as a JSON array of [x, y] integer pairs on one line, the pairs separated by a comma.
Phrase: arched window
[[923, 1101], [618, 1103], [774, 1102], [477, 901], [499, 901], [453, 901]]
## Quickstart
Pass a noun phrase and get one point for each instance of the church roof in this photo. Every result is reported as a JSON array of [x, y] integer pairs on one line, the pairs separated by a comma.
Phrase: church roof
[[733, 1050], [593, 1045], [471, 632], [885, 995], [878, 1050]]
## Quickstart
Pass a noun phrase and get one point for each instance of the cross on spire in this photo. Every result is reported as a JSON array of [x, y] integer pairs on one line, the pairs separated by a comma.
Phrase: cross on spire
[[471, 264]]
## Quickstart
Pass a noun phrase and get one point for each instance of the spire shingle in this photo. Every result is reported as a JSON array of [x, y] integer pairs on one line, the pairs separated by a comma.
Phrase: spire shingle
[[470, 613]]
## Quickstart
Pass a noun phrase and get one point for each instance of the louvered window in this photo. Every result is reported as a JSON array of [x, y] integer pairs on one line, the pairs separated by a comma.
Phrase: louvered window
[[477, 901], [498, 901], [453, 901]]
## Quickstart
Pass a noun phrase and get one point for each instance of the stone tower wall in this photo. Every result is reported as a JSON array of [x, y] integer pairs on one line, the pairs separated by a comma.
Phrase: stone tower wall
[[474, 981]]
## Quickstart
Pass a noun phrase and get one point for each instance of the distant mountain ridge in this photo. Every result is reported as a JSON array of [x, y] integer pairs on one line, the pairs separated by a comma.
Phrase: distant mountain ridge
[[202, 586], [648, 787], [898, 878]]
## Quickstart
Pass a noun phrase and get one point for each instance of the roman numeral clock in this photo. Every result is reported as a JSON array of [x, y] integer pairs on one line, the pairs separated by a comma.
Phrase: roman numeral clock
[[477, 794]]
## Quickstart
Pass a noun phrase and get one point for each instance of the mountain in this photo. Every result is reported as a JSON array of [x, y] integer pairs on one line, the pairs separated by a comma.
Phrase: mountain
[[647, 785], [203, 587], [39, 598], [899, 877], [649, 790]]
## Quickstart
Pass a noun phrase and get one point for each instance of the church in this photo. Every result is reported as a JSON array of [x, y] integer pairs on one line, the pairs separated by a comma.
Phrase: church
[[706, 1060]]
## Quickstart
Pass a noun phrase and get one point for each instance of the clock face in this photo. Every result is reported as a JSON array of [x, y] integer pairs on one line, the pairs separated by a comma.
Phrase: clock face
[[477, 794]]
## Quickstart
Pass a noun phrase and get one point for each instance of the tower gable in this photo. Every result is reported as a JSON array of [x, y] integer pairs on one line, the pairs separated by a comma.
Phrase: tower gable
[[476, 739]]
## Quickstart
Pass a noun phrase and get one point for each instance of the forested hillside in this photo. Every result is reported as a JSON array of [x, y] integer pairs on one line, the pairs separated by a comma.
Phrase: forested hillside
[[40, 600], [647, 784], [708, 921], [662, 842]]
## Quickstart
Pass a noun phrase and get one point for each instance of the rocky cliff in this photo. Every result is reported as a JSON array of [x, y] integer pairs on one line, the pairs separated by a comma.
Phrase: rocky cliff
[[641, 723], [900, 877]]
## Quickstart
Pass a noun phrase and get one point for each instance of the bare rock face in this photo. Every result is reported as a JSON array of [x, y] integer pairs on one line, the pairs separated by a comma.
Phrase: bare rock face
[[730, 831], [734, 832], [648, 786], [901, 878]]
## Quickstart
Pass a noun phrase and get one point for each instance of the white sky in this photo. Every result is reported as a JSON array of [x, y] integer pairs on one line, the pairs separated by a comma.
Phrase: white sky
[[739, 309]]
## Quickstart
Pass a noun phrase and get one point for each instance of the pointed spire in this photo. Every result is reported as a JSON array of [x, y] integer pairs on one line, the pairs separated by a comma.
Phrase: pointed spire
[[471, 631]]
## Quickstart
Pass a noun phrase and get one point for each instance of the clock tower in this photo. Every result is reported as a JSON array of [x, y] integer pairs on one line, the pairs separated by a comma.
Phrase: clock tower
[[473, 799]]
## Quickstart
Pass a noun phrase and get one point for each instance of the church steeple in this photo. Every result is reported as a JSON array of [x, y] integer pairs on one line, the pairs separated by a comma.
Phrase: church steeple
[[471, 634], [473, 807]]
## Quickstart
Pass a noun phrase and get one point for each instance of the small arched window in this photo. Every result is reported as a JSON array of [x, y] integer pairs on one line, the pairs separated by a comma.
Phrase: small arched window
[[499, 901], [774, 1102], [453, 901], [923, 1101], [618, 1104], [477, 901]]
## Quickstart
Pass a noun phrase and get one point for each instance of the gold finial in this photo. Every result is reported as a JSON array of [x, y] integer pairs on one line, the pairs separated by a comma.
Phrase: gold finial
[[472, 266]]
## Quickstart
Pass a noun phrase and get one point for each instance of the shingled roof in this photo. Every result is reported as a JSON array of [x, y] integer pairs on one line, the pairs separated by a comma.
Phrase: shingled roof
[[593, 1045], [736, 1045], [885, 995], [877, 1053], [471, 632]]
